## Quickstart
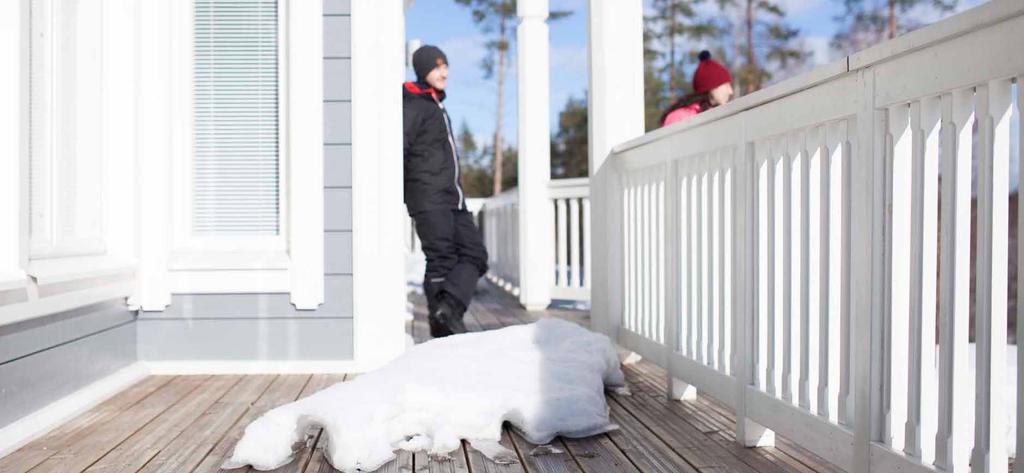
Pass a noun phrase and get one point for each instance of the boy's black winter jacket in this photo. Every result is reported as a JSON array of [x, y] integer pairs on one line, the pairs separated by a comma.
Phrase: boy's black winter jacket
[[431, 159]]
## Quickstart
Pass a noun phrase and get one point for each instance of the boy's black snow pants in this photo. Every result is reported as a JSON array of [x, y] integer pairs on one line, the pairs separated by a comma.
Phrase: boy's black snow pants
[[455, 253]]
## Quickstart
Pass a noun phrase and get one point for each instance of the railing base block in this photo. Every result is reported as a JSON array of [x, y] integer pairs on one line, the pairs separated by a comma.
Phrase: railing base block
[[753, 434], [682, 391]]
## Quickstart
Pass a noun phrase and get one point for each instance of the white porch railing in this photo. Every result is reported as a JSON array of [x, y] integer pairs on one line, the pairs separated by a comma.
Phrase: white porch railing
[[780, 253], [571, 198]]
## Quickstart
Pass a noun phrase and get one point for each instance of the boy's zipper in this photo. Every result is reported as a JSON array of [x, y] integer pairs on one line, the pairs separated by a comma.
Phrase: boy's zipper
[[455, 156]]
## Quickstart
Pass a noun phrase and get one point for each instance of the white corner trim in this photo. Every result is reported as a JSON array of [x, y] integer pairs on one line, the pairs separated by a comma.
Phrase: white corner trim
[[216, 367], [24, 430], [378, 214], [305, 155]]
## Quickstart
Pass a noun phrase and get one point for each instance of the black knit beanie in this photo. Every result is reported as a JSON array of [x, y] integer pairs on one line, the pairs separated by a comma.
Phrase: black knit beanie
[[425, 59]]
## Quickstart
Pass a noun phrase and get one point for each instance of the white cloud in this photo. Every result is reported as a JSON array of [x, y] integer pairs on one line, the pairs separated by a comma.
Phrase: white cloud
[[821, 51]]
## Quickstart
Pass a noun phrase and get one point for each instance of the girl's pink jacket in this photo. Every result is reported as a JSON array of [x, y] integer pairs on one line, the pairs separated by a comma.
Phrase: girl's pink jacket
[[682, 113]]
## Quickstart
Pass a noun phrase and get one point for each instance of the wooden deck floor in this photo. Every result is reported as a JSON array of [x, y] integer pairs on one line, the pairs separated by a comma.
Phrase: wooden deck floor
[[190, 423]]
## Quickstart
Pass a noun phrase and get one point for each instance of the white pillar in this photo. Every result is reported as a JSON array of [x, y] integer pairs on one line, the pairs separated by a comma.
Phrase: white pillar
[[615, 113], [616, 93], [13, 91], [153, 151], [378, 52], [536, 217]]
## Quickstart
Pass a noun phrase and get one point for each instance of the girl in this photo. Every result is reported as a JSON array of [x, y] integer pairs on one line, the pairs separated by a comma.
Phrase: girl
[[712, 86]]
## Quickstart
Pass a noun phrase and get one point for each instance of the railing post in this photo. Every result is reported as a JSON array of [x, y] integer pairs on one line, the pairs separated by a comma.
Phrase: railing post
[[745, 277], [606, 291], [536, 225], [866, 267]]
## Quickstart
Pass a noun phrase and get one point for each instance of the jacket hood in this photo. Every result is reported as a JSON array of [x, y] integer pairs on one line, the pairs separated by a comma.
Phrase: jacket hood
[[423, 90]]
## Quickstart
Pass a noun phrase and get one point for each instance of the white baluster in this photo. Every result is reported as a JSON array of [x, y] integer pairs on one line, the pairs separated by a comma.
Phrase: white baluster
[[787, 270], [724, 261], [562, 268], [713, 251], [844, 234], [686, 274], [898, 310], [820, 219], [806, 349], [763, 211], [993, 110], [662, 260], [587, 251], [574, 243], [773, 272], [924, 123], [951, 443]]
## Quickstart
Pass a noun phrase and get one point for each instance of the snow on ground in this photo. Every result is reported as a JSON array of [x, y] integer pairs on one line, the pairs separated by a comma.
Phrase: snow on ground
[[546, 378]]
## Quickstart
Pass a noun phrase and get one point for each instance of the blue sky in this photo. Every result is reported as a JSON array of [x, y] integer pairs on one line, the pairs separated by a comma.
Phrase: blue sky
[[473, 99]]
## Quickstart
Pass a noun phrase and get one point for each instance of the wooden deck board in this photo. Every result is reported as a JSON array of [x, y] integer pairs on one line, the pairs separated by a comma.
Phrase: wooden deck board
[[91, 444], [139, 448], [196, 441], [57, 440], [191, 423], [284, 389]]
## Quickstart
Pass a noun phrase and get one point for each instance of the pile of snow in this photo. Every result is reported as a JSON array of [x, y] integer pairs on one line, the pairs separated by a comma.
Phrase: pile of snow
[[546, 378]]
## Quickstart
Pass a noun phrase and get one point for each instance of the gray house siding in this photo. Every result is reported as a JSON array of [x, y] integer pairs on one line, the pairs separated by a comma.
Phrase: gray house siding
[[47, 358], [267, 326]]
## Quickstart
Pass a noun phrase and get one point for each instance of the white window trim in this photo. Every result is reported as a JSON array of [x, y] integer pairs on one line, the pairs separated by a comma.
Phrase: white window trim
[[293, 261], [45, 139], [184, 242], [14, 39]]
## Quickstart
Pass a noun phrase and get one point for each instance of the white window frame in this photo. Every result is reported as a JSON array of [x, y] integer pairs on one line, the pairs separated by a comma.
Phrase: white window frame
[[293, 261], [188, 248], [45, 136]]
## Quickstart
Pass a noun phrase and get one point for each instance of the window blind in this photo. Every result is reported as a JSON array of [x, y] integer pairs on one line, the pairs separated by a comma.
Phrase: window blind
[[236, 181]]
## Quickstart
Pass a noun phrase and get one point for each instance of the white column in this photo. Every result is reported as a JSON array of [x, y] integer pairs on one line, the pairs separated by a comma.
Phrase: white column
[[536, 220], [153, 149], [615, 113], [306, 153], [616, 95], [378, 52], [13, 90]]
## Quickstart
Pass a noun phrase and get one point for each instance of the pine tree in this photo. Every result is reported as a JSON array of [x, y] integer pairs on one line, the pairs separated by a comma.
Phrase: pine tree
[[656, 98], [673, 22], [569, 145], [865, 23], [474, 176], [497, 18], [771, 46]]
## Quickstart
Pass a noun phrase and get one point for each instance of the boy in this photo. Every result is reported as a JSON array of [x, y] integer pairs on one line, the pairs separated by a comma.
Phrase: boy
[[456, 256]]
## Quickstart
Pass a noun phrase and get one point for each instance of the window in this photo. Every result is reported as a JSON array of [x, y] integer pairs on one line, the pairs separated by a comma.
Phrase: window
[[236, 167], [66, 155]]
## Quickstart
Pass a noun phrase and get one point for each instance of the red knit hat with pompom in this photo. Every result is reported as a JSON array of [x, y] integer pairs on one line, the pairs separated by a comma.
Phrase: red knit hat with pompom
[[709, 74]]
